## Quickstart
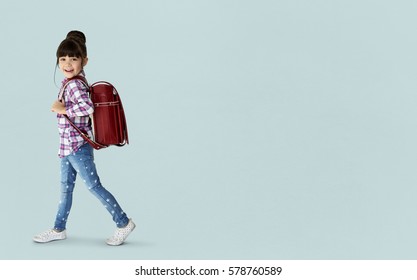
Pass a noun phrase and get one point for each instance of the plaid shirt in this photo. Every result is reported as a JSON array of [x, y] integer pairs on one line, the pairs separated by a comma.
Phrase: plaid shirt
[[78, 106]]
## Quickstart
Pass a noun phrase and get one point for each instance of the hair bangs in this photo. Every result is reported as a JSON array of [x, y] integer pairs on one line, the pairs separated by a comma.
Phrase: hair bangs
[[68, 48]]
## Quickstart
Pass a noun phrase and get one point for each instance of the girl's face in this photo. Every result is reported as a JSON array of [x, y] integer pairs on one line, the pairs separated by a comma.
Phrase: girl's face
[[71, 66]]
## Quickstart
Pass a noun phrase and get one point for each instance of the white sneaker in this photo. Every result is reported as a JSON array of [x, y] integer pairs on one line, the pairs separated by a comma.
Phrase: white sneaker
[[121, 234], [50, 235]]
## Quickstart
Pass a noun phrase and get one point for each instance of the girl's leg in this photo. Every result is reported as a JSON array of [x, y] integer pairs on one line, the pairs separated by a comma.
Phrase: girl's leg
[[83, 162], [68, 176]]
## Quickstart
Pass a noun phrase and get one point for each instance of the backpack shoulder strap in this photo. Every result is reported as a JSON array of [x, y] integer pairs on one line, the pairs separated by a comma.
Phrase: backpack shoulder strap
[[84, 135]]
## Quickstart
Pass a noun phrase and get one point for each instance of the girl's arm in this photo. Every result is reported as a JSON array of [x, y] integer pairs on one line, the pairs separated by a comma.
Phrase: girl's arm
[[79, 103]]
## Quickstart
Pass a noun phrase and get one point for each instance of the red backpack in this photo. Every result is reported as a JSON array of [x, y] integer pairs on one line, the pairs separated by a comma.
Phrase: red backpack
[[108, 120]]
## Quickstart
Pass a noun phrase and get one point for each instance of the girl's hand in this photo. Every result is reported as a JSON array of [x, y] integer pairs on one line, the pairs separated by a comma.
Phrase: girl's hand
[[58, 107]]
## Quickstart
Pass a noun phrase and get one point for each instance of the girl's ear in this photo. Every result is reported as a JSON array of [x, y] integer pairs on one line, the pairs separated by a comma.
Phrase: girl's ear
[[85, 61]]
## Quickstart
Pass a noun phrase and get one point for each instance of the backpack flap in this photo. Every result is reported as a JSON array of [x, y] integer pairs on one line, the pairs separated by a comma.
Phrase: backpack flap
[[109, 122]]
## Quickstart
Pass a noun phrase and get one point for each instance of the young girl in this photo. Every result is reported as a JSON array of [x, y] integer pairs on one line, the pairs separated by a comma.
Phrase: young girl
[[75, 153]]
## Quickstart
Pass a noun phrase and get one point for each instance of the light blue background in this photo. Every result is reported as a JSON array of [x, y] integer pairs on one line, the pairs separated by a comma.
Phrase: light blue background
[[259, 129]]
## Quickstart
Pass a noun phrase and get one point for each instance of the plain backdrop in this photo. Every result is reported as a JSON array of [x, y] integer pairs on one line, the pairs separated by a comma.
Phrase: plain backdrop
[[259, 129]]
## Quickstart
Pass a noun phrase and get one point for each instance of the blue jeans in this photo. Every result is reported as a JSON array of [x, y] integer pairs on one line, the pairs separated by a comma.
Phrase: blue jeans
[[82, 163]]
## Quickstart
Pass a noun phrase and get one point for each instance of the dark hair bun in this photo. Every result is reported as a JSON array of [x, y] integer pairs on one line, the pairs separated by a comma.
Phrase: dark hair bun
[[77, 36]]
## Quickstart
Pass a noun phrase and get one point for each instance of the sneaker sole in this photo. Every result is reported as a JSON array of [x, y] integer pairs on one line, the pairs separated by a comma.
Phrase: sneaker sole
[[43, 241]]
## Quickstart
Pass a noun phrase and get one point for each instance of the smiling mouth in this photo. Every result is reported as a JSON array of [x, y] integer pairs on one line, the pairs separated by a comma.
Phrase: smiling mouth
[[69, 71]]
